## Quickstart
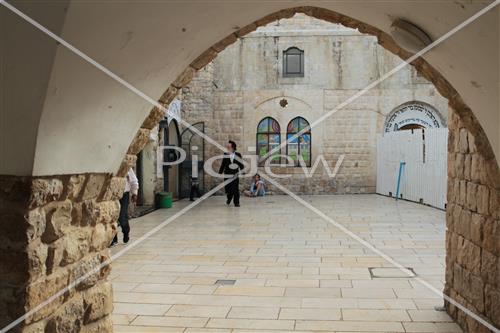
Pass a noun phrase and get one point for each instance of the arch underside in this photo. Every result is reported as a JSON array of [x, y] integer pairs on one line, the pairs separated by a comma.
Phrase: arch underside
[[88, 119]]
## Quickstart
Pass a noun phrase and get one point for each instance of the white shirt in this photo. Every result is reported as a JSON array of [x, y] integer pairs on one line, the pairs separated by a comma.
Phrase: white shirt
[[231, 156], [131, 182]]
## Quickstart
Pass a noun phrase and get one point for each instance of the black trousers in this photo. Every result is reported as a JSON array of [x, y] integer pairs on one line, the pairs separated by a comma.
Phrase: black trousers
[[194, 191], [123, 218], [233, 191]]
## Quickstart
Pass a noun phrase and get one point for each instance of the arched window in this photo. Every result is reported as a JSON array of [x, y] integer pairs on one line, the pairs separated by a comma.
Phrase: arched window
[[300, 145], [293, 62], [268, 138]]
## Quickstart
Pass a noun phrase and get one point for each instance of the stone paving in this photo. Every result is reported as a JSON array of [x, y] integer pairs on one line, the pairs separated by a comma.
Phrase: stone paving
[[292, 271]]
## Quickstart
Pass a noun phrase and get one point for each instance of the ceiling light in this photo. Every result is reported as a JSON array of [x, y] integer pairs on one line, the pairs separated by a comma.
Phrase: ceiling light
[[409, 36]]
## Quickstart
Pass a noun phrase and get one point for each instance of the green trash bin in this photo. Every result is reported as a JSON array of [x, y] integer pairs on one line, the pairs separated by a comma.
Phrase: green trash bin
[[164, 199]]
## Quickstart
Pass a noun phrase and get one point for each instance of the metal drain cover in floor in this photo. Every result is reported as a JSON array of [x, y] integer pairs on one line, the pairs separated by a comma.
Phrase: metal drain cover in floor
[[225, 282], [390, 272]]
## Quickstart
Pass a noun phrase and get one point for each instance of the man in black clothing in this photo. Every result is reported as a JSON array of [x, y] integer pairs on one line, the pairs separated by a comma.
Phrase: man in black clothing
[[230, 167], [195, 189]]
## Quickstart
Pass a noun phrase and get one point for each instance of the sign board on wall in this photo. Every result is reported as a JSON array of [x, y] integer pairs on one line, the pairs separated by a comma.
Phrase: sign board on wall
[[417, 113]]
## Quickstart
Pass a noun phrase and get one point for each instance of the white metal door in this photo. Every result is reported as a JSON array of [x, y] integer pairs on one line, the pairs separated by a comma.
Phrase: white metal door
[[424, 153]]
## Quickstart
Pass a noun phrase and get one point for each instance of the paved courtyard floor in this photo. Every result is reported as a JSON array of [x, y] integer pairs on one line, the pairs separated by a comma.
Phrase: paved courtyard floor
[[292, 270]]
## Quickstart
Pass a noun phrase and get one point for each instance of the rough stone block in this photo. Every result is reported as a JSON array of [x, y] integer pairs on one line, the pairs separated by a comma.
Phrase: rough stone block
[[102, 235], [75, 246], [37, 256], [282, 14], [153, 118], [45, 190], [490, 268], [464, 223], [472, 143], [43, 288], [68, 318], [75, 185], [455, 214], [477, 168], [58, 220], [184, 78], [98, 302], [463, 144], [494, 206], [451, 165], [114, 189], [476, 293], [483, 199], [476, 228], [491, 235], [459, 165], [205, 58], [221, 45], [467, 167], [87, 272], [469, 255], [246, 30], [492, 304], [471, 196], [77, 214], [102, 325], [54, 257], [127, 163], [462, 199], [139, 141], [167, 97], [94, 186], [108, 211], [36, 223]]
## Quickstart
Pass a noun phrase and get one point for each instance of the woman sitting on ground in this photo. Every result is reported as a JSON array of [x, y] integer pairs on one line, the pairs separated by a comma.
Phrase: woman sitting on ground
[[257, 189]]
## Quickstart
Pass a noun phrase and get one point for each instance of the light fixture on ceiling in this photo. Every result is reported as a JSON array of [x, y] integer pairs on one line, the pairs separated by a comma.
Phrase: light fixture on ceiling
[[409, 36]]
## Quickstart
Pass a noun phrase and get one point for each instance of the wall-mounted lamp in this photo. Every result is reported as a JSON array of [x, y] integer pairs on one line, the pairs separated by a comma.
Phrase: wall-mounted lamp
[[409, 36]]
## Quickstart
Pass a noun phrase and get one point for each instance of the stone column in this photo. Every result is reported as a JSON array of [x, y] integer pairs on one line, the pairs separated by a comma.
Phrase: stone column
[[53, 231], [473, 229]]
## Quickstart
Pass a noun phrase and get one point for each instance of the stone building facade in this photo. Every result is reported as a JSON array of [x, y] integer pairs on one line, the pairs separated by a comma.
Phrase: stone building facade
[[247, 83]]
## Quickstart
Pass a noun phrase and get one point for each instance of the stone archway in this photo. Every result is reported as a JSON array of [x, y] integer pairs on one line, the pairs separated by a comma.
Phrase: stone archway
[[472, 261], [86, 204]]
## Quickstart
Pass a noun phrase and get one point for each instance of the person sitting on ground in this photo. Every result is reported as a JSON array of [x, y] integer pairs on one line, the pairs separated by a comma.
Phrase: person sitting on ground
[[257, 189]]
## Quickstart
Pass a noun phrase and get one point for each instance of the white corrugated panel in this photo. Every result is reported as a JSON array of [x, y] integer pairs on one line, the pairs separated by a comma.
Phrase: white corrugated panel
[[425, 171]]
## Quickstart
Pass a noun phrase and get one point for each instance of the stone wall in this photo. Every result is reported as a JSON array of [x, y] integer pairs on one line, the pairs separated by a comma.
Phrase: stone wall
[[244, 84], [55, 230], [473, 229]]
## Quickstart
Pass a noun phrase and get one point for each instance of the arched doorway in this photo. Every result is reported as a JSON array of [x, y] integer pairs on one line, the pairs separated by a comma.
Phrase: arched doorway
[[194, 146], [171, 137]]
